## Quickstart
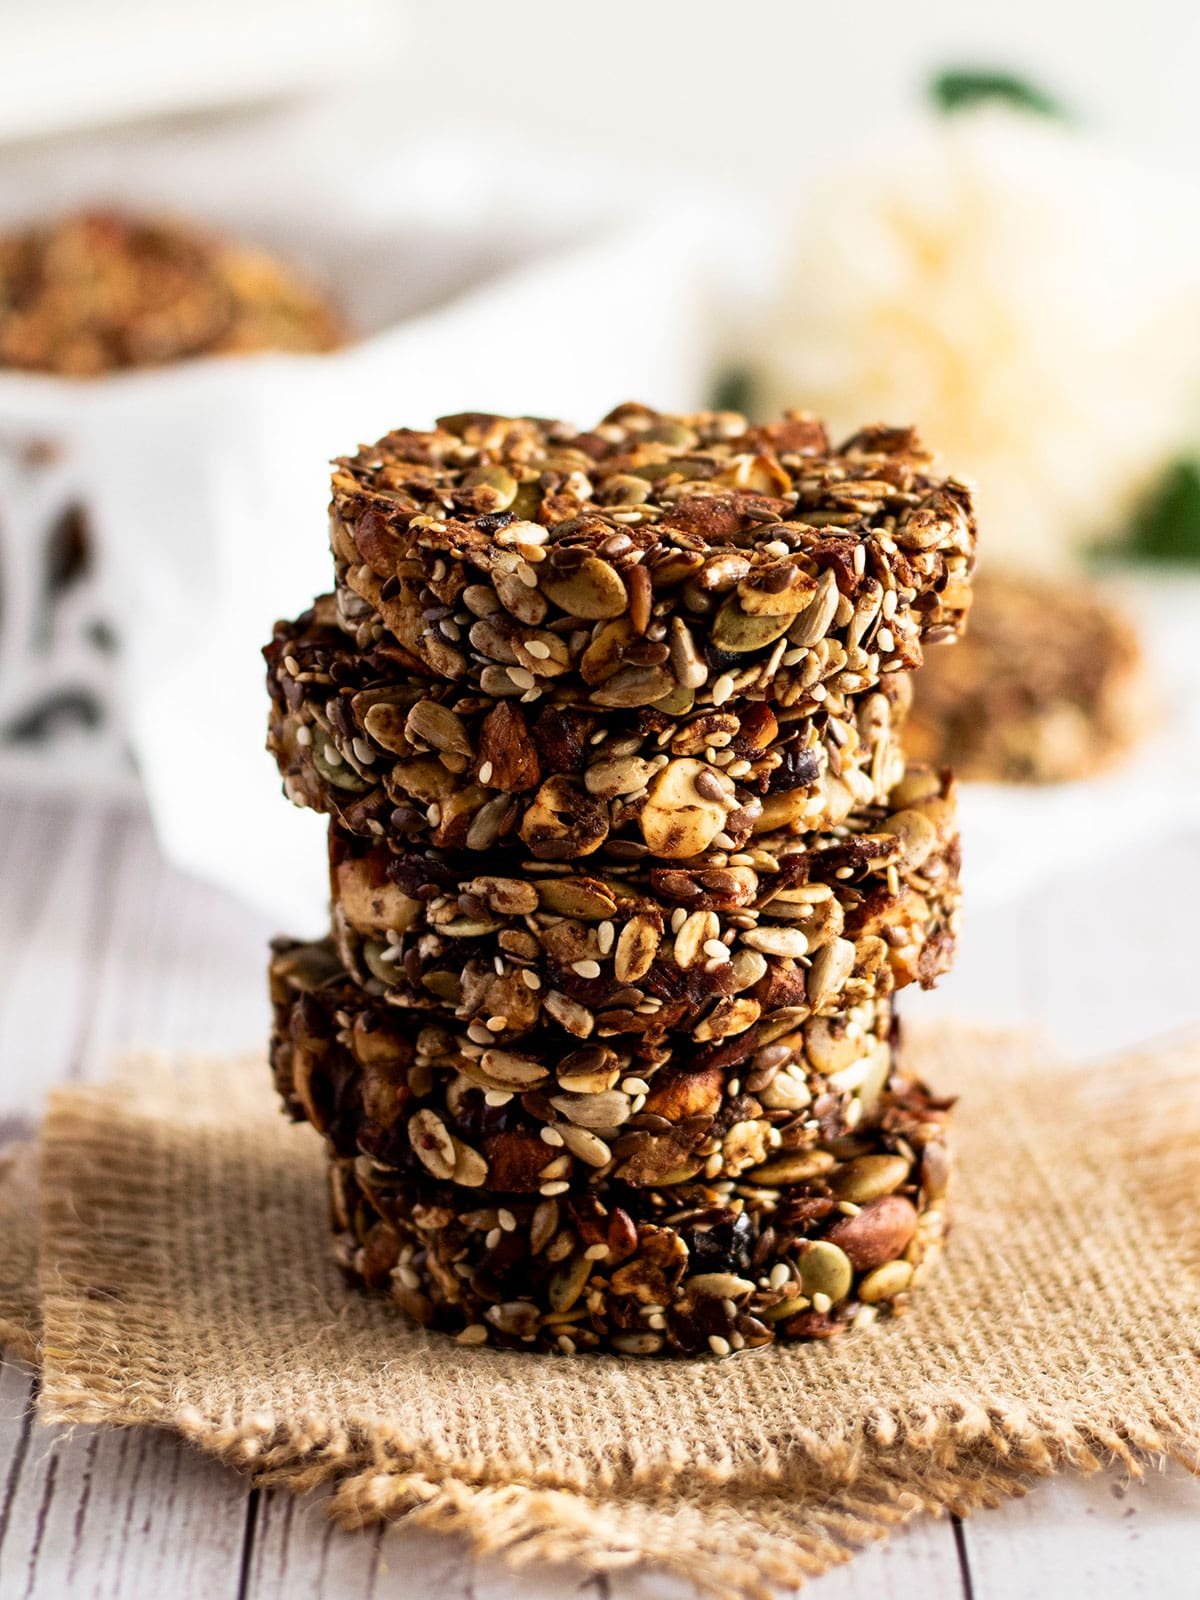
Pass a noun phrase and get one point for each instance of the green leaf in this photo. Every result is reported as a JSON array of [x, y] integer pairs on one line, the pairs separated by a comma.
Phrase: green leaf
[[733, 389], [1166, 527], [961, 88]]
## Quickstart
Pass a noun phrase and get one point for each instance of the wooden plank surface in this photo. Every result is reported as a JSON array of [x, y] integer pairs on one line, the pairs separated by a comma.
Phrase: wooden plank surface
[[103, 947]]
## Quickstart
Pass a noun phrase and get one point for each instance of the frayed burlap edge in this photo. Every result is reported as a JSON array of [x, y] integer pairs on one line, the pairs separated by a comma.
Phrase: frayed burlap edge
[[730, 1531], [20, 1310]]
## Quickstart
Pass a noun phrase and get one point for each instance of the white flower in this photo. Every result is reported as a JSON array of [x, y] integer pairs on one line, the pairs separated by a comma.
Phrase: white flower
[[1027, 299]]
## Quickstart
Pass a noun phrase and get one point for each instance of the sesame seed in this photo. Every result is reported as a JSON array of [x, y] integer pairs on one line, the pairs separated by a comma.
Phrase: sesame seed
[[635, 1086], [550, 1136], [779, 1275], [474, 1333], [551, 1189], [485, 772], [497, 1024], [303, 735], [521, 677], [530, 979], [822, 1303], [722, 689], [506, 1220], [537, 649], [496, 1097], [586, 969], [719, 1346], [595, 1252], [493, 1238]]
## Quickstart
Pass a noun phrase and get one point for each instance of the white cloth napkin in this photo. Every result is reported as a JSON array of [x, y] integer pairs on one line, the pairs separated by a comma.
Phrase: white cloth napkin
[[482, 279]]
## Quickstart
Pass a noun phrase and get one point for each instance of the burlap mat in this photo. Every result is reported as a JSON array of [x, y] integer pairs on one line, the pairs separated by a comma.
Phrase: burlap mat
[[184, 1281]]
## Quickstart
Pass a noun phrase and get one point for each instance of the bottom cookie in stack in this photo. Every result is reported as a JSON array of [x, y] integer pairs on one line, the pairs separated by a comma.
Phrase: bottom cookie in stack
[[596, 1198], [795, 1250]]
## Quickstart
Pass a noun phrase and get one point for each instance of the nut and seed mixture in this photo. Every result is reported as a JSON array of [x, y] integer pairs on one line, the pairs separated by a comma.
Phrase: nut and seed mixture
[[718, 950], [358, 738], [838, 1236], [655, 560], [1049, 685], [626, 864], [427, 1101], [99, 291]]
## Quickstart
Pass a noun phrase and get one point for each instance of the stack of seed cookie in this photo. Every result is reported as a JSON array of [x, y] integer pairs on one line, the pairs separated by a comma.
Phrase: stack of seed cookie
[[626, 868]]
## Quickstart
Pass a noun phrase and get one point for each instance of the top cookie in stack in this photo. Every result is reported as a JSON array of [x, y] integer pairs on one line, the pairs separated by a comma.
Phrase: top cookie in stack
[[673, 562], [607, 724], [564, 612]]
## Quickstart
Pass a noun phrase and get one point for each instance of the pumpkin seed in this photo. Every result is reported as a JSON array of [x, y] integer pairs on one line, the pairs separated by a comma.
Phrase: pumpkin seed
[[331, 766], [607, 1109], [869, 1177], [824, 1269], [575, 897], [885, 1282], [634, 686], [567, 1282], [593, 591], [719, 1285], [499, 484], [433, 724], [736, 630], [797, 1166]]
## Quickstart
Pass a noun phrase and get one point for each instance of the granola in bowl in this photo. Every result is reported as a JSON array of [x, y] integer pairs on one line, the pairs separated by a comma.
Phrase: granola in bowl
[[98, 292]]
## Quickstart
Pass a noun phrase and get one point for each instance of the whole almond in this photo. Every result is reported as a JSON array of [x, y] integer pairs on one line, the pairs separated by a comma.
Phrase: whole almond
[[878, 1233]]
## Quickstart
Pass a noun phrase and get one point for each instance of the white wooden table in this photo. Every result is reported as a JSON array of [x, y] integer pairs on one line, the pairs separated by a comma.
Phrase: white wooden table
[[103, 946]]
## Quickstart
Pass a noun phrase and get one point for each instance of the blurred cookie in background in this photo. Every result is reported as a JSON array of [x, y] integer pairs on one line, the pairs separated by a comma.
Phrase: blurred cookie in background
[[1048, 685], [99, 291]]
